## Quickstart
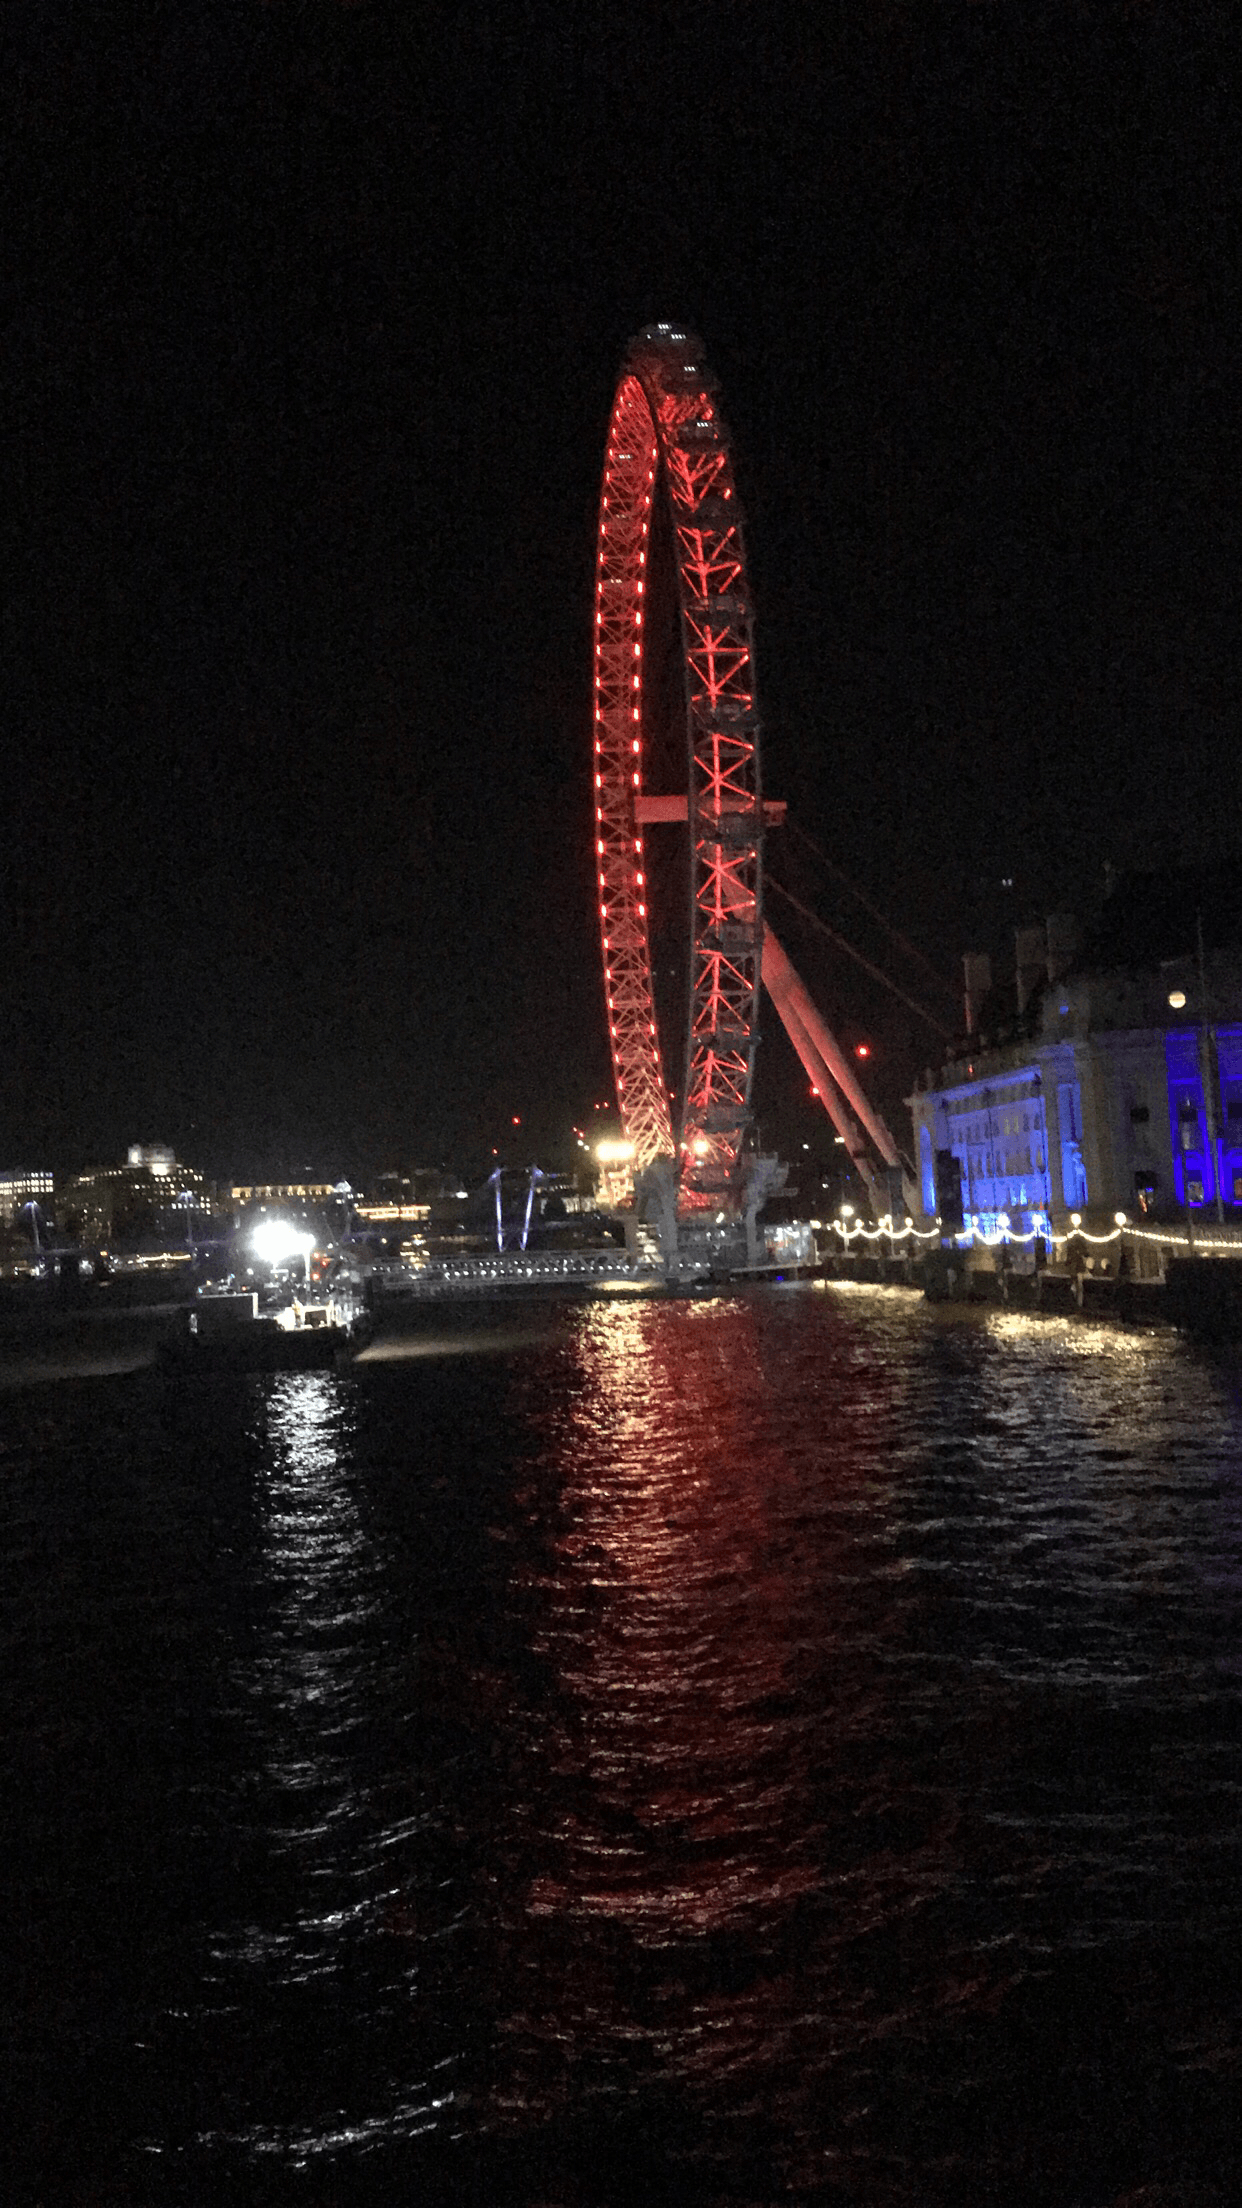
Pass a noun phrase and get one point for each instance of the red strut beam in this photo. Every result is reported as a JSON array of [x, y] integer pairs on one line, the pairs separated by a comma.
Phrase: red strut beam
[[792, 999]]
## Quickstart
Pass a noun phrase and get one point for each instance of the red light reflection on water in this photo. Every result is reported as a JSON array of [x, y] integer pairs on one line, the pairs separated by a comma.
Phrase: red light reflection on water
[[667, 1623], [668, 1812]]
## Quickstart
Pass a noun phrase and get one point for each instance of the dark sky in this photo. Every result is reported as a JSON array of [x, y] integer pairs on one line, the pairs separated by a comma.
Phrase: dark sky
[[313, 315]]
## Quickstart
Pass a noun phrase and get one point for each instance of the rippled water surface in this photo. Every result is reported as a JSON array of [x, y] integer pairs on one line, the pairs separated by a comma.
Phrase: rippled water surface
[[778, 1748]]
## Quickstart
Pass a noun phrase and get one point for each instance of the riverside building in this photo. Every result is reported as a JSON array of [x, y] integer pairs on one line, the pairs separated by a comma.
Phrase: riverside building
[[22, 1185], [151, 1200], [1106, 1081]]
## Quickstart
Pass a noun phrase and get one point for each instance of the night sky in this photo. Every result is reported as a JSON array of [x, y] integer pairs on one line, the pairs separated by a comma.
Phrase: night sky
[[313, 315]]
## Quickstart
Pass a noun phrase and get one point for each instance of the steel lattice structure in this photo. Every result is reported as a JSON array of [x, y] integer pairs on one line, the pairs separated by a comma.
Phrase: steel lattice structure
[[666, 438]]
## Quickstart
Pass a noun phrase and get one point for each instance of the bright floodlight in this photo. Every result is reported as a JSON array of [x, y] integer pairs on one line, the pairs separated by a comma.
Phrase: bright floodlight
[[614, 1153], [275, 1240]]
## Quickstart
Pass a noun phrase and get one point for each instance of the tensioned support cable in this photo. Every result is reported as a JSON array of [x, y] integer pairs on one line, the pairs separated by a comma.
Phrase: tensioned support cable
[[876, 972], [911, 949]]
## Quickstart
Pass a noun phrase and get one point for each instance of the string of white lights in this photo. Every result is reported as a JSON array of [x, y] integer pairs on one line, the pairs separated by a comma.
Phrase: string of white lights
[[854, 1230], [1099, 1241], [1183, 1241], [1151, 1234]]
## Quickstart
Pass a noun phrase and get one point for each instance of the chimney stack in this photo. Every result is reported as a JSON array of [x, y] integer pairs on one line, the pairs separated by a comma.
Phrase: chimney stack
[[978, 970], [1062, 943], [1032, 963]]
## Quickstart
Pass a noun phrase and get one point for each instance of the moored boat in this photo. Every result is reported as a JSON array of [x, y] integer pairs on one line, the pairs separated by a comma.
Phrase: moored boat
[[228, 1333]]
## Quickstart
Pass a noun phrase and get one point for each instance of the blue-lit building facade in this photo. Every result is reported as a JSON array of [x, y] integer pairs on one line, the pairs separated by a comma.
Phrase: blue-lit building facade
[[1117, 1089]]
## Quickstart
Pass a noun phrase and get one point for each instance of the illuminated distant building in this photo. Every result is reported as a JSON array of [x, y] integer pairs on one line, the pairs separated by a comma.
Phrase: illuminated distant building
[[413, 1197], [294, 1194], [1109, 1083], [20, 1186], [156, 1156], [151, 1199], [385, 1208]]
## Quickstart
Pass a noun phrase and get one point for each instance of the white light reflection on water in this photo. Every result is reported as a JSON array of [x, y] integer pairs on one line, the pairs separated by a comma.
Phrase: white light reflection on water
[[331, 1851], [319, 1583], [482, 1340]]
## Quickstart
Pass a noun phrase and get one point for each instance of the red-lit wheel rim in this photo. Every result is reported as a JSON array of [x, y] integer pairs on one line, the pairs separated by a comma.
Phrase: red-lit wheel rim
[[666, 439]]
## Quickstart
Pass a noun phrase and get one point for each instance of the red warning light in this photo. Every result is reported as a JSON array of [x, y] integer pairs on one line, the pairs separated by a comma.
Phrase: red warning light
[[862, 1050], [517, 1121], [814, 1090]]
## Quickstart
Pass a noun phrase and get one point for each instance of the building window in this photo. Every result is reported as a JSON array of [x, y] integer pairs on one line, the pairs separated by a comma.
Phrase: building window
[[1194, 1189], [1140, 1114]]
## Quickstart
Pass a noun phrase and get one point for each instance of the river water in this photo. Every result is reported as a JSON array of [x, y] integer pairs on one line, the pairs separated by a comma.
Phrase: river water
[[781, 1747]]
